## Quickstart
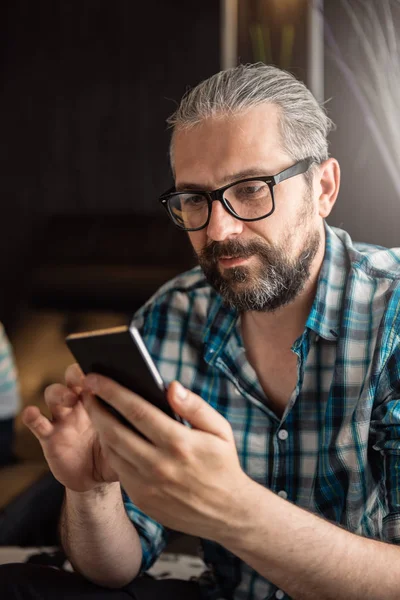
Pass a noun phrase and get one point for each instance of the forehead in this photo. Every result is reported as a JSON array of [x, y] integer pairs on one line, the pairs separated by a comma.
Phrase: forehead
[[210, 151]]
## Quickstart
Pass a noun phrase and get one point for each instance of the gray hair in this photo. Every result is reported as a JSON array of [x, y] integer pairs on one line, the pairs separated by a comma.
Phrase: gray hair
[[304, 124]]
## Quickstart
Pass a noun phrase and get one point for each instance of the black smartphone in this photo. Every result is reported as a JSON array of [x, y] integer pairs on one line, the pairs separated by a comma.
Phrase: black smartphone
[[121, 354]]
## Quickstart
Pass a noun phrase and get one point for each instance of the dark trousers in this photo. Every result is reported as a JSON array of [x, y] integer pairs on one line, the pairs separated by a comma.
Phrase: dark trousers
[[37, 582], [6, 441]]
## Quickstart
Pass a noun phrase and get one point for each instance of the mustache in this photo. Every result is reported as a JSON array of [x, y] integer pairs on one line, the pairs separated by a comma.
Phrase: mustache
[[234, 249]]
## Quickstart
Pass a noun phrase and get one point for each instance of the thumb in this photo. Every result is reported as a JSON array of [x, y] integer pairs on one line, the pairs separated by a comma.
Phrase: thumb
[[197, 411]]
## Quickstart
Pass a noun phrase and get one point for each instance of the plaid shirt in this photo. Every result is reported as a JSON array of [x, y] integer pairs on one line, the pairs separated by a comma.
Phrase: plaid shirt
[[336, 449]]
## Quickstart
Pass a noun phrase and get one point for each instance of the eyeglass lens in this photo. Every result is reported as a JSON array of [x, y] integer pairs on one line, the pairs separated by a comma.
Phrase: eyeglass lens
[[248, 200]]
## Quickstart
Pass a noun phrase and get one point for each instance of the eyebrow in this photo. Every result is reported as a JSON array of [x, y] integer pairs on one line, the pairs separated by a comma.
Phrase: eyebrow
[[226, 180]]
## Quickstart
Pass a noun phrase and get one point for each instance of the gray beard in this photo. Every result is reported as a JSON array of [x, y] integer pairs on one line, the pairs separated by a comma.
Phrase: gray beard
[[273, 284]]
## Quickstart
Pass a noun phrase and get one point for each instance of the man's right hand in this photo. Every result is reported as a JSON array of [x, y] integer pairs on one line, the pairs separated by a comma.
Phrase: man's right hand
[[69, 442]]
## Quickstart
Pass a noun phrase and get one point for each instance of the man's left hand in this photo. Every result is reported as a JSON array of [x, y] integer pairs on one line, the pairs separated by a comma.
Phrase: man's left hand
[[188, 479]]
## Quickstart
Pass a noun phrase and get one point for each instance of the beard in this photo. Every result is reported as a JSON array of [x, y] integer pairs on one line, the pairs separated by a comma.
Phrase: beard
[[272, 284]]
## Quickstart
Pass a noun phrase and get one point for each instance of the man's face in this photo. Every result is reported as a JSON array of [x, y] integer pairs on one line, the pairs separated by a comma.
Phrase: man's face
[[259, 265]]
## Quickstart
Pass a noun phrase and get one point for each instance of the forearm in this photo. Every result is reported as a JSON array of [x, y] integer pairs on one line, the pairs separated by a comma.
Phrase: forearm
[[98, 537], [308, 557]]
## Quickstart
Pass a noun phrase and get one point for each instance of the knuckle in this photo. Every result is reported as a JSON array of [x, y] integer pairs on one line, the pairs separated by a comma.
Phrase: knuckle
[[197, 410], [181, 448], [136, 413], [162, 471]]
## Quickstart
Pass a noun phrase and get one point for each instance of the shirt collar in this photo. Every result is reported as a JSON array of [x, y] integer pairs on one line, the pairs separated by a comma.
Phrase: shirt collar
[[326, 311], [220, 323]]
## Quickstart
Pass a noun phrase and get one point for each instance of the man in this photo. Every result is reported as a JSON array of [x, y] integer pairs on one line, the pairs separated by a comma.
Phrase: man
[[283, 351]]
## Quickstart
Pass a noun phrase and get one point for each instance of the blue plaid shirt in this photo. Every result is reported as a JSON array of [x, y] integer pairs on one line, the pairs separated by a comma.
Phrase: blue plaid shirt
[[336, 449]]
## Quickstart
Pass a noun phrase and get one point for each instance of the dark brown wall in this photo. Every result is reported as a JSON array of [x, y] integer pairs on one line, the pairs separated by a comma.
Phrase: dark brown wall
[[86, 87]]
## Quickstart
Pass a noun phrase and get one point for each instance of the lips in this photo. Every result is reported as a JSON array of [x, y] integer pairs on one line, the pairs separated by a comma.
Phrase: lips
[[232, 261], [235, 256]]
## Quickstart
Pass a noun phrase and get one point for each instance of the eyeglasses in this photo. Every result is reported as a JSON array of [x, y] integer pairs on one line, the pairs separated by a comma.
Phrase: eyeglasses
[[250, 199]]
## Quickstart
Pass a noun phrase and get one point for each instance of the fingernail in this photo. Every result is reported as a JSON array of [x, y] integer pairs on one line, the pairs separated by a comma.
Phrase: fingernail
[[180, 391]]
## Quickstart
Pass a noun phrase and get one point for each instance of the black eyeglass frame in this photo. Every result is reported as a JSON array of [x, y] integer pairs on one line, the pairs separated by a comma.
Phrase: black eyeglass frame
[[271, 180]]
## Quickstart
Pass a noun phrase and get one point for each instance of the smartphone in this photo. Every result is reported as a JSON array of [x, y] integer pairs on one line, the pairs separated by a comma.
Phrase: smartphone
[[121, 354]]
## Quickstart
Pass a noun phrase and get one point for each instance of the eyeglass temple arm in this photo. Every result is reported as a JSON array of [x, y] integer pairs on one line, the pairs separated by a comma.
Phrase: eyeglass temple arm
[[163, 197], [297, 169]]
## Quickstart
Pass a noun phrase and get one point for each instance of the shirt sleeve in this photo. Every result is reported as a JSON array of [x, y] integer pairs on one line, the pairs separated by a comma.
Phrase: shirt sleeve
[[153, 536], [9, 389], [385, 429]]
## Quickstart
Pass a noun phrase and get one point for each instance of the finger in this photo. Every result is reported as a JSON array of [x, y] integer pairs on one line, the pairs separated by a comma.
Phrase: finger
[[122, 440], [88, 401], [197, 411], [158, 427], [39, 425], [59, 399], [74, 377], [70, 398]]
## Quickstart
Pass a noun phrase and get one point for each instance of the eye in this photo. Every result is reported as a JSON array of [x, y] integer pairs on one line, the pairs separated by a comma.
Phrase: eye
[[250, 190], [192, 201]]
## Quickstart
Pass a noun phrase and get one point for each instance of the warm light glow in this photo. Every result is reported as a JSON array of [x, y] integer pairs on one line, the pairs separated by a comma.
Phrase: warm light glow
[[285, 7]]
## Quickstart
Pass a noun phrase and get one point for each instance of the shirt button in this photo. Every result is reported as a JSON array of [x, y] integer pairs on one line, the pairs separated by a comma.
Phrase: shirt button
[[283, 434], [283, 494], [279, 594]]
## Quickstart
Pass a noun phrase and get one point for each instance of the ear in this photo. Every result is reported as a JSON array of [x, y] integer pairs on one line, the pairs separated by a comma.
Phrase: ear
[[328, 183]]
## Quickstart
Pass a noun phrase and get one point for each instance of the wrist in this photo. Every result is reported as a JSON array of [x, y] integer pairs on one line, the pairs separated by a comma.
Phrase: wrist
[[96, 494], [244, 503]]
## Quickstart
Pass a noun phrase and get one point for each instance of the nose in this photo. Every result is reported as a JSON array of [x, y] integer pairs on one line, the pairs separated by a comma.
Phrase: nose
[[222, 225]]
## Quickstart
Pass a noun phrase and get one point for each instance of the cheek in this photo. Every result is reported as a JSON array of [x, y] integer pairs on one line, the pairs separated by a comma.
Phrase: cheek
[[198, 239], [267, 230]]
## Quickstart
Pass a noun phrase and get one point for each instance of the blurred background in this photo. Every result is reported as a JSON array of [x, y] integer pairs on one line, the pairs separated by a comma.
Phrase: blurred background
[[86, 88]]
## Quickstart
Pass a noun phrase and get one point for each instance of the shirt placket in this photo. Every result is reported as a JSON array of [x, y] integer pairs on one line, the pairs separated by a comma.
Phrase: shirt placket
[[282, 442]]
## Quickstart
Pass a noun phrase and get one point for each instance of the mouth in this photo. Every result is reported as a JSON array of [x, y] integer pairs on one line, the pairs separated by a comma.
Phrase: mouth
[[232, 261]]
